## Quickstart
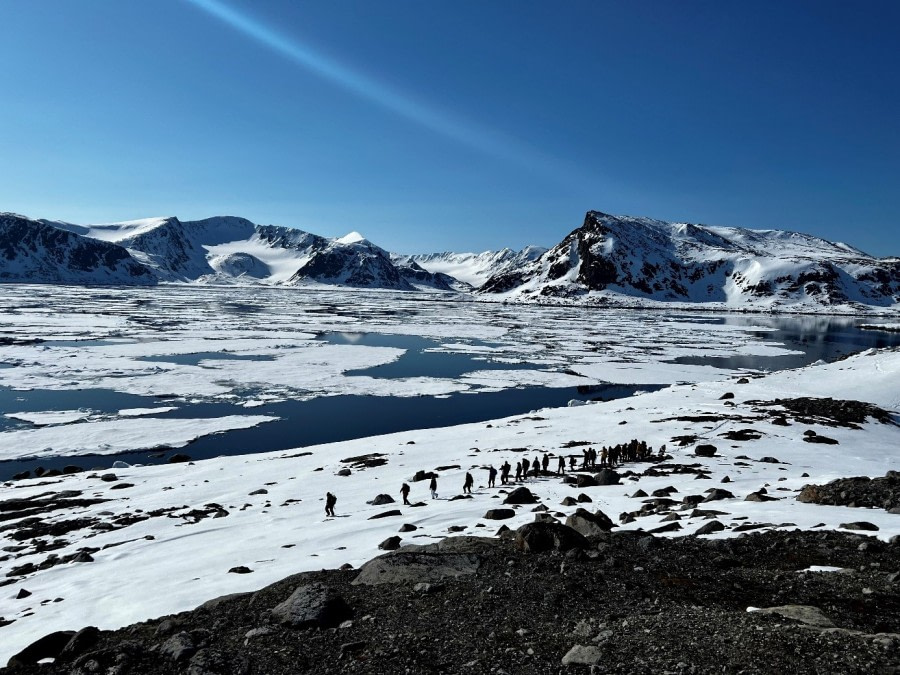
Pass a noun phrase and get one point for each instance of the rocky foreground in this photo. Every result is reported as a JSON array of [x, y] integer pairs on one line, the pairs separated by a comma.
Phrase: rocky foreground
[[542, 599]]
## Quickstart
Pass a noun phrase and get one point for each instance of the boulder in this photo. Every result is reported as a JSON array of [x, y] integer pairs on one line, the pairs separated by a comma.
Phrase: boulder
[[710, 527], [569, 501], [521, 495], [541, 537], [584, 499], [607, 477], [179, 647], [382, 499], [416, 566], [860, 525], [499, 514], [582, 655], [81, 642], [705, 450], [589, 524], [408, 527], [312, 606], [390, 544], [585, 481], [47, 647], [179, 457], [718, 493], [423, 475]]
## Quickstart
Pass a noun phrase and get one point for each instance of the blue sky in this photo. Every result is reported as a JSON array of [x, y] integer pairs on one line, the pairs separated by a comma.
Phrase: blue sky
[[463, 125]]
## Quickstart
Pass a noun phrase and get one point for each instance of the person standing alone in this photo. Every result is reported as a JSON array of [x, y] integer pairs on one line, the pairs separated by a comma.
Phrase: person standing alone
[[330, 501], [433, 487]]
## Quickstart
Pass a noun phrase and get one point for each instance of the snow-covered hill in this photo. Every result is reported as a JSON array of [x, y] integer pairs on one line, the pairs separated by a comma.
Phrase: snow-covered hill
[[31, 251], [609, 257], [476, 268]]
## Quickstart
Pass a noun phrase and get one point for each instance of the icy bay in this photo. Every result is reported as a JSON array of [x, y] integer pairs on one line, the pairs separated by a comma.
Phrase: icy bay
[[232, 370]]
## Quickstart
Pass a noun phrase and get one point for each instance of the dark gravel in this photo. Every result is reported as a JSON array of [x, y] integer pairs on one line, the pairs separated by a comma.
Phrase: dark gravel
[[643, 604]]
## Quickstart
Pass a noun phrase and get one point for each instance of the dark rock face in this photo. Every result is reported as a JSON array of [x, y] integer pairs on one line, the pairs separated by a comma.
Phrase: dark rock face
[[36, 252], [684, 262], [312, 605]]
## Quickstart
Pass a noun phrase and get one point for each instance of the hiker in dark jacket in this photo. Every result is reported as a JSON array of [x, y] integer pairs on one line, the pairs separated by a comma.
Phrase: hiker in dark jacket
[[405, 492], [330, 501], [492, 476], [468, 483], [433, 487]]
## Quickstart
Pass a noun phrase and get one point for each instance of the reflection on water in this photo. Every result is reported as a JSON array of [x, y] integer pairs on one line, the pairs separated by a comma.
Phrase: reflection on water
[[817, 338]]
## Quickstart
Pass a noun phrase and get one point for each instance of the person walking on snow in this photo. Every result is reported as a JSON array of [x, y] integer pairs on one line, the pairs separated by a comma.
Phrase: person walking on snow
[[405, 492], [561, 467], [433, 487], [492, 476], [468, 483], [330, 501]]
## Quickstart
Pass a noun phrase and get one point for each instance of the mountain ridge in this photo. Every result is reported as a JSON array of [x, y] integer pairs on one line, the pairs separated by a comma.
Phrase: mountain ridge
[[608, 260], [654, 260]]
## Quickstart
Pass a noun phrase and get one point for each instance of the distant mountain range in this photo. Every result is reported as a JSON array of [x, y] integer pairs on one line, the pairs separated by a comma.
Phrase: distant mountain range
[[608, 260]]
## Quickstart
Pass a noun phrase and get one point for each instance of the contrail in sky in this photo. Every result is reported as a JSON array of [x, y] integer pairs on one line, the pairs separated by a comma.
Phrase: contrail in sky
[[474, 136]]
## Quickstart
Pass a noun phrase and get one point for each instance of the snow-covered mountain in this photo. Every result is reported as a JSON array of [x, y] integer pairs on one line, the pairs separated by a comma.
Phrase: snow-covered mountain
[[228, 249], [647, 259], [476, 268], [353, 260], [32, 251]]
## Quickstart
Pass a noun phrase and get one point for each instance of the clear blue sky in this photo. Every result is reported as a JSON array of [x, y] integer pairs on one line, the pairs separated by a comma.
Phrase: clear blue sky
[[464, 125]]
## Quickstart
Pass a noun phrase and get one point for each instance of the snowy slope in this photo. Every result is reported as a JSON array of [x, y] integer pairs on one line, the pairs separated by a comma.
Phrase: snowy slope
[[616, 256], [31, 251], [476, 268], [169, 538]]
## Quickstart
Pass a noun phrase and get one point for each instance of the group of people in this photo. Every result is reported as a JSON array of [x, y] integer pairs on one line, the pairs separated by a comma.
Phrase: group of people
[[607, 457]]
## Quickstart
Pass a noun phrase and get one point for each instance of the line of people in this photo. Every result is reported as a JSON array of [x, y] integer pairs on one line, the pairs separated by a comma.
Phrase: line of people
[[609, 457]]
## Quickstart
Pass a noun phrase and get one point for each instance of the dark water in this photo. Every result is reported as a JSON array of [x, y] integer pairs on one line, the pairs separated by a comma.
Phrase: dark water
[[337, 418], [322, 420]]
